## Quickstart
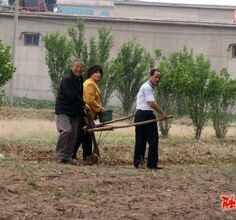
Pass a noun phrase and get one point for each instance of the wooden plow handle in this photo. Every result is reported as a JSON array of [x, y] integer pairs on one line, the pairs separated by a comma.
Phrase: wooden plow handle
[[113, 121], [91, 125], [109, 128]]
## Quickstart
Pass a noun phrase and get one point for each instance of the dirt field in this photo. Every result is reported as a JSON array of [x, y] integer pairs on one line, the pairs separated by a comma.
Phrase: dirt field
[[34, 186]]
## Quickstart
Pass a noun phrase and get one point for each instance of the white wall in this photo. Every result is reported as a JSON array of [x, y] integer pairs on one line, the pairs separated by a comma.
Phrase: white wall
[[31, 77]]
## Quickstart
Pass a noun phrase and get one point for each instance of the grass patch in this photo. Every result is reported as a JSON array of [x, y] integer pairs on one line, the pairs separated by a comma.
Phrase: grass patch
[[24, 102]]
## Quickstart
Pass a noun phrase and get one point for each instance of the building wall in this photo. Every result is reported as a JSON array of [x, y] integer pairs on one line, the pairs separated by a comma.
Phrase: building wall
[[175, 12], [148, 10], [32, 79], [211, 41]]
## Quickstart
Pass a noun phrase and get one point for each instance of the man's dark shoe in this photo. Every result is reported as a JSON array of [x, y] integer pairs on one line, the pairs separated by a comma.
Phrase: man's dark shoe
[[139, 164], [136, 164], [88, 161], [65, 161], [158, 167]]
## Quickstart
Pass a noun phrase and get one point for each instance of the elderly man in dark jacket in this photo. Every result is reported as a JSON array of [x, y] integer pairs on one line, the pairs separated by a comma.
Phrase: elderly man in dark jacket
[[69, 107]]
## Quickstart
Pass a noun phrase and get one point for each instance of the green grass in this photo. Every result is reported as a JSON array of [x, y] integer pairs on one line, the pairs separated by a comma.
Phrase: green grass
[[30, 103]]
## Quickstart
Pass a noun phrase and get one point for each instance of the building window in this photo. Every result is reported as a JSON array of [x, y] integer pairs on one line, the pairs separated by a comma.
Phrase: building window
[[233, 51], [32, 39]]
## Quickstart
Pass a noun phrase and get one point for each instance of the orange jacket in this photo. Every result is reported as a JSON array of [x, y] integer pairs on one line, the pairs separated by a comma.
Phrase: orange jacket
[[92, 96]]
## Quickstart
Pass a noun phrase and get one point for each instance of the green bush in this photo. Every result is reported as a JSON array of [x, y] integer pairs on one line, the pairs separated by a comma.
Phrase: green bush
[[32, 103], [223, 106]]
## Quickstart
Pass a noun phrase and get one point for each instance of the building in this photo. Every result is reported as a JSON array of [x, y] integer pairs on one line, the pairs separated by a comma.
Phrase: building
[[209, 30]]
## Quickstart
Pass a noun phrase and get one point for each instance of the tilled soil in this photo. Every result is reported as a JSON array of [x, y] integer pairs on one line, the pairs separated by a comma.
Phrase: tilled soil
[[48, 190]]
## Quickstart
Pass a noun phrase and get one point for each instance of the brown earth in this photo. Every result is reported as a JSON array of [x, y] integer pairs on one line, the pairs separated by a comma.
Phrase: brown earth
[[34, 186], [47, 190]]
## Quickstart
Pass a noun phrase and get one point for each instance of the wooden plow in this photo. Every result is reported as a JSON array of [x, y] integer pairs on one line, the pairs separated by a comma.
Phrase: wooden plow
[[105, 126]]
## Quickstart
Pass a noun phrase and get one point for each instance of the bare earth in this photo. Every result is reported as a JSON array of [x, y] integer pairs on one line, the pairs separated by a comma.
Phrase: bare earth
[[34, 186], [46, 190]]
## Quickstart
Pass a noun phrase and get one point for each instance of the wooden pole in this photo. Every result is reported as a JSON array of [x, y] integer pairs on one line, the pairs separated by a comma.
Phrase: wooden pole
[[112, 121], [108, 128], [91, 125], [15, 30]]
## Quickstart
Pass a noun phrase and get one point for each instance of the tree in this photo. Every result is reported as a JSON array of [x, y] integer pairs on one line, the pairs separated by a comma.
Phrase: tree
[[6, 67], [165, 92], [199, 90], [93, 52], [130, 68], [223, 104], [58, 57], [174, 69], [105, 43], [79, 44], [98, 53]]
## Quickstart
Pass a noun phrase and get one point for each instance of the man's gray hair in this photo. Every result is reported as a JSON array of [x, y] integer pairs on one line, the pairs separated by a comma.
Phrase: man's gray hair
[[78, 60]]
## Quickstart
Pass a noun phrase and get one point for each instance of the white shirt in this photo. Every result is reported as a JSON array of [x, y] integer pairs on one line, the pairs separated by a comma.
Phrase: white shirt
[[145, 95]]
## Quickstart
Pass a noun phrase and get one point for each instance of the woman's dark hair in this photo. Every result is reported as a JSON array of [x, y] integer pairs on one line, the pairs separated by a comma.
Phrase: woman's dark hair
[[153, 71], [93, 69]]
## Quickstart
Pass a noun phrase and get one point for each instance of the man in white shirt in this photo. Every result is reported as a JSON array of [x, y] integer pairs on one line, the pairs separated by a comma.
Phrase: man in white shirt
[[145, 105]]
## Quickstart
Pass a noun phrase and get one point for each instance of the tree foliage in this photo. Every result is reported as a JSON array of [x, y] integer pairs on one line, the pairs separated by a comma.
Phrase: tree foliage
[[6, 68], [93, 52], [98, 53], [105, 43], [223, 104], [174, 69], [188, 81], [58, 57], [130, 67], [80, 47], [199, 90]]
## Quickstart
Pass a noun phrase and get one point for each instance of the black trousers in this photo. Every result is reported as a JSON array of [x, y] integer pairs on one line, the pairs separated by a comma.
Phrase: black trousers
[[146, 134], [83, 138]]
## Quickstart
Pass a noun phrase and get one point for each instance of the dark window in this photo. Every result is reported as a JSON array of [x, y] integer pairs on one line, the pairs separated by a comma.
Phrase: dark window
[[234, 51], [32, 39], [31, 3]]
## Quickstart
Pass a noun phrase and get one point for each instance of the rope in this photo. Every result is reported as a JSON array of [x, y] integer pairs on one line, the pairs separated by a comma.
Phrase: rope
[[99, 142]]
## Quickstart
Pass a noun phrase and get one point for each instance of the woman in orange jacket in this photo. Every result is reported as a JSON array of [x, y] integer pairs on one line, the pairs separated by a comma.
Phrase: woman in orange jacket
[[91, 92], [92, 97]]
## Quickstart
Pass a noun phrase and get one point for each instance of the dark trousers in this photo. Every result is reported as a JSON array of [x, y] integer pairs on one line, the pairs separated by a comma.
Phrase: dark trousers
[[146, 134], [68, 129], [83, 138]]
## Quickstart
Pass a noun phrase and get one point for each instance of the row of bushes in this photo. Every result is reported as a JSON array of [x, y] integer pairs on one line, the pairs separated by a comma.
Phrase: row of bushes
[[23, 102]]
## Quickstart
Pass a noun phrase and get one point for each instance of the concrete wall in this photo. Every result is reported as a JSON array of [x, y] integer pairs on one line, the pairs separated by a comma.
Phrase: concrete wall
[[175, 12], [32, 80], [149, 10]]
